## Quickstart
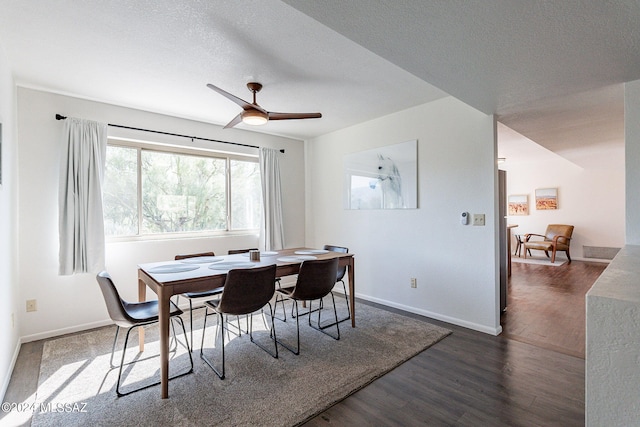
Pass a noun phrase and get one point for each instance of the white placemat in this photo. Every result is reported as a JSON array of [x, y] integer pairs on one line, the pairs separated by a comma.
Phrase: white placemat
[[297, 258], [172, 268], [231, 264], [312, 252], [202, 260]]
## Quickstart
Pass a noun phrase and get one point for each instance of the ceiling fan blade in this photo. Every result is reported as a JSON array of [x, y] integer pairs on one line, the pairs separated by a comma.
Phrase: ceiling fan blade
[[241, 102], [237, 119], [252, 112], [291, 116]]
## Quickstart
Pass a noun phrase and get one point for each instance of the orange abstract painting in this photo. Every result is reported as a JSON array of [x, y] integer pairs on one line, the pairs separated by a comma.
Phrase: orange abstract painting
[[547, 199]]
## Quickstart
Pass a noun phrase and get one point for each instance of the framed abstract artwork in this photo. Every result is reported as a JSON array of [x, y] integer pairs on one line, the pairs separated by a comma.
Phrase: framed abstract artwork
[[382, 178], [518, 204], [546, 199]]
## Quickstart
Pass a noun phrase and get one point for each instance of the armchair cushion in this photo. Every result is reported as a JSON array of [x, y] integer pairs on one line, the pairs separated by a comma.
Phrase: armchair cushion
[[556, 238]]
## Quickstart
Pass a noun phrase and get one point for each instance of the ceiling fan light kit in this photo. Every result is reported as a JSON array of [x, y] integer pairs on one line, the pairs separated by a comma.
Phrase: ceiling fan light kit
[[254, 117], [254, 114]]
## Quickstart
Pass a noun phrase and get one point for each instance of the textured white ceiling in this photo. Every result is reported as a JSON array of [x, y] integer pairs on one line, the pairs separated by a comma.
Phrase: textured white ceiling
[[552, 70], [158, 55], [496, 54]]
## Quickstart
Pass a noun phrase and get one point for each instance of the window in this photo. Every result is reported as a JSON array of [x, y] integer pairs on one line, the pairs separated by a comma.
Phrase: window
[[154, 191]]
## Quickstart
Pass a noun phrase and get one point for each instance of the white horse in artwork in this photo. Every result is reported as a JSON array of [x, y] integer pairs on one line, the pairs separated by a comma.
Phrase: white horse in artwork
[[390, 182]]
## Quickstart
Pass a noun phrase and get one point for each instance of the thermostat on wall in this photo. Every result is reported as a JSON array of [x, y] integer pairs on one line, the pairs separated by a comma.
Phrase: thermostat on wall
[[464, 218]]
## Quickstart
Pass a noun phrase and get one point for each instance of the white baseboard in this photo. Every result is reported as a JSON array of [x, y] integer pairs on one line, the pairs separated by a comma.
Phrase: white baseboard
[[7, 378], [64, 331], [455, 321]]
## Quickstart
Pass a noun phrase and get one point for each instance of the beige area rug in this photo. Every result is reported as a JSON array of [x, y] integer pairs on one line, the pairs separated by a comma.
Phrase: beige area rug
[[77, 388], [539, 261]]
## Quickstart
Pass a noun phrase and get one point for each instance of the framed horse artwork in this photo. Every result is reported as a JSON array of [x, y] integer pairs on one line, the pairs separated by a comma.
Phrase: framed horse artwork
[[382, 178]]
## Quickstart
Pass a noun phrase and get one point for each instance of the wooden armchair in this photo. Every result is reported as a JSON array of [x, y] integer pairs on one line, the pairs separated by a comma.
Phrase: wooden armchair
[[556, 238]]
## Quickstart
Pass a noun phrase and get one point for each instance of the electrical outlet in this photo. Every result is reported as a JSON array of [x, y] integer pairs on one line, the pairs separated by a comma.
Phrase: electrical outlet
[[31, 305], [414, 282], [478, 219]]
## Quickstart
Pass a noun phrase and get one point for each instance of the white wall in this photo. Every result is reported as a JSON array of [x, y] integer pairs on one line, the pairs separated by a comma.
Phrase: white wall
[[69, 303], [455, 265], [9, 324], [632, 147], [592, 200]]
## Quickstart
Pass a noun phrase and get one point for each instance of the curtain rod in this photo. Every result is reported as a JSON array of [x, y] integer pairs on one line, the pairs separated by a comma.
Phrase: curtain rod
[[61, 117]]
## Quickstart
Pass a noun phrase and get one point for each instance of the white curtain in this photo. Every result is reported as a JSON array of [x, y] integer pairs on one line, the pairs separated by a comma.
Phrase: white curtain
[[81, 225], [271, 231]]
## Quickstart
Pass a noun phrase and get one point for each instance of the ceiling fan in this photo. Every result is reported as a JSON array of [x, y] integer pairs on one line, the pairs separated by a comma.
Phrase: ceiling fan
[[252, 113]]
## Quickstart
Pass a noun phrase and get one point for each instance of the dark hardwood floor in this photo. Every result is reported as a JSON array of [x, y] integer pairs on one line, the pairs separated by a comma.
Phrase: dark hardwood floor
[[547, 305], [530, 375]]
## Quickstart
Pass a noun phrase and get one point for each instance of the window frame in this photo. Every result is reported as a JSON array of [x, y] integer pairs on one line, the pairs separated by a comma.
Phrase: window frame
[[139, 146]]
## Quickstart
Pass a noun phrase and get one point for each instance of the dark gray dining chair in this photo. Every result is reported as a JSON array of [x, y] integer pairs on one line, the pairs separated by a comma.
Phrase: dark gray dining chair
[[190, 296], [245, 292], [316, 279], [132, 315], [278, 280], [236, 252]]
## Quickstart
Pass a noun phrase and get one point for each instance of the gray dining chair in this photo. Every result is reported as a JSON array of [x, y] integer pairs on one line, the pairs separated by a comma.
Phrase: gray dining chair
[[278, 280], [236, 252], [246, 291], [132, 315], [316, 279]]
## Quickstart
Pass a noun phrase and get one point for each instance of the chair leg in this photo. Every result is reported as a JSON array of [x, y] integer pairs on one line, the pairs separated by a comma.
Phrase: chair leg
[[124, 350], [174, 346], [308, 312], [336, 323], [126, 340], [272, 333], [184, 332], [191, 319], [238, 327], [297, 350], [275, 306], [113, 348], [568, 256], [219, 327], [284, 309], [346, 297], [204, 328]]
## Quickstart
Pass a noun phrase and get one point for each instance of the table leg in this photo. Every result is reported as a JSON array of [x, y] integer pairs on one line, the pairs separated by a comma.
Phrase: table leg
[[352, 286], [163, 318], [142, 296]]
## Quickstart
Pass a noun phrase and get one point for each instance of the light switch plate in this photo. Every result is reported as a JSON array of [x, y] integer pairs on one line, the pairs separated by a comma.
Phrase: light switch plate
[[478, 219]]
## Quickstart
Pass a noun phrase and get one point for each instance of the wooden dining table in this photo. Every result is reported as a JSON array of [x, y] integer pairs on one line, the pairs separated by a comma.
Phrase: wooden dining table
[[168, 278]]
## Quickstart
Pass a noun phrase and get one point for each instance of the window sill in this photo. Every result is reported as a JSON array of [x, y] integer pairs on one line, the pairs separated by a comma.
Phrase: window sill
[[181, 236]]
